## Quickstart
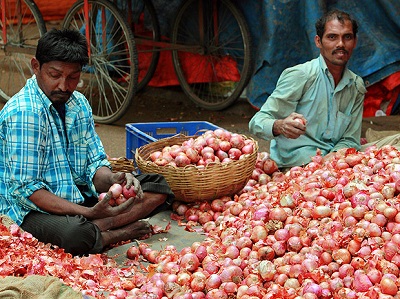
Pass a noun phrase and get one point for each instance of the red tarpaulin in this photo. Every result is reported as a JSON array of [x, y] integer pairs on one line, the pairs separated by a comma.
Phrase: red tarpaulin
[[165, 75], [384, 91]]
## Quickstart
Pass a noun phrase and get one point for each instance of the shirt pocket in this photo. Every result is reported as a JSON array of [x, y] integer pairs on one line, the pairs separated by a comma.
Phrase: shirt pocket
[[340, 126]]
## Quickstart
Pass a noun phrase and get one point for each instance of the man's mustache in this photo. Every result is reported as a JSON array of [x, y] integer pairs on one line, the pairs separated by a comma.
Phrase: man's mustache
[[340, 49], [61, 93]]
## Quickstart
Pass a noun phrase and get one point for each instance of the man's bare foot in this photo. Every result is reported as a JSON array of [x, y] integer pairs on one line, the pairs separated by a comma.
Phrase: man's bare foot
[[135, 230]]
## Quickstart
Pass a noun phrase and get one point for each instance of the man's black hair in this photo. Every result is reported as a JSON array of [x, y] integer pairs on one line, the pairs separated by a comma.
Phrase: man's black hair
[[335, 14], [65, 45]]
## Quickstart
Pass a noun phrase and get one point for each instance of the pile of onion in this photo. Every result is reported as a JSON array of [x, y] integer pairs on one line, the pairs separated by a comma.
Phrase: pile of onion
[[326, 230], [330, 229], [214, 146]]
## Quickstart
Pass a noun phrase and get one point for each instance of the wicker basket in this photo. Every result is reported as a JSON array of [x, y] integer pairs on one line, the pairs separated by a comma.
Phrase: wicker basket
[[192, 184], [122, 164]]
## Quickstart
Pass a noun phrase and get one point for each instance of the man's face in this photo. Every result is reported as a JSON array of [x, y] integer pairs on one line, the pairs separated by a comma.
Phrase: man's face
[[337, 43], [57, 79]]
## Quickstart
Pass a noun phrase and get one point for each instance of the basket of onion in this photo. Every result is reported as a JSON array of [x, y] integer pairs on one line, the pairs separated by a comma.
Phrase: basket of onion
[[122, 164], [201, 167]]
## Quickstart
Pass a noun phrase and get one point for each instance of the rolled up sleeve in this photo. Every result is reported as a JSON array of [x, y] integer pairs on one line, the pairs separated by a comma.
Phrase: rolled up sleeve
[[280, 104]]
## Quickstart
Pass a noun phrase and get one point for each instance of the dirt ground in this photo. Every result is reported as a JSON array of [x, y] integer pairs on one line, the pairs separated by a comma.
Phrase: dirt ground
[[171, 104]]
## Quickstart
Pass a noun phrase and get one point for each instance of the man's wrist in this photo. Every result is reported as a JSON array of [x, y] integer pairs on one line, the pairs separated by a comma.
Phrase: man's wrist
[[276, 128]]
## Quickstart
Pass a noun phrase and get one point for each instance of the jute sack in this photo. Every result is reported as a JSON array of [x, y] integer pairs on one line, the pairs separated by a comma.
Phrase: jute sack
[[372, 135]]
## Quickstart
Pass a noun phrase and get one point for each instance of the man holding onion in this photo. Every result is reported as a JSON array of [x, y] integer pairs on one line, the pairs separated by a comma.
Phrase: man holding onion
[[317, 104], [53, 165]]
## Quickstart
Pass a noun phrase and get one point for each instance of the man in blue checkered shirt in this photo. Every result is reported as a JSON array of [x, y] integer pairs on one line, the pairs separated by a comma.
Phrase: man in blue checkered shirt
[[53, 164]]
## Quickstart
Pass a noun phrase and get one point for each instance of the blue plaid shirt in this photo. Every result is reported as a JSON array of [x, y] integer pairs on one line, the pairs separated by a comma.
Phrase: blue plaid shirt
[[37, 151]]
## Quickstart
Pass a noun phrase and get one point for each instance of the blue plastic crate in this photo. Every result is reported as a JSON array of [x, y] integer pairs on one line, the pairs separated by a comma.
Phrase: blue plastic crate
[[139, 134]]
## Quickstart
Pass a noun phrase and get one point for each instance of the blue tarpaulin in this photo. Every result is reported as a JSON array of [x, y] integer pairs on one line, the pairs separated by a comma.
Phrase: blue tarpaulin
[[283, 35]]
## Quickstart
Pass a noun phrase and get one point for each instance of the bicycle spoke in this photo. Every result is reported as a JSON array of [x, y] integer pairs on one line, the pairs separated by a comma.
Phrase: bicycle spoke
[[215, 78], [110, 78], [24, 26]]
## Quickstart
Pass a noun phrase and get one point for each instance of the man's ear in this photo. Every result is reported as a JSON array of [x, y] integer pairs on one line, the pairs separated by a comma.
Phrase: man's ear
[[318, 41], [35, 65]]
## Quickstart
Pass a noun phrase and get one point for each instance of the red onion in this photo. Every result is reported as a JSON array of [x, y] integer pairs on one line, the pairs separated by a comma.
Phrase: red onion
[[231, 273], [236, 208], [237, 141], [233, 253], [197, 284], [190, 262], [321, 212], [388, 286], [292, 283], [259, 233], [116, 190], [211, 267], [201, 252], [267, 270], [269, 166], [313, 288], [294, 244], [374, 275], [278, 213], [341, 255], [361, 283], [216, 294], [260, 214], [213, 282], [198, 295], [234, 153]]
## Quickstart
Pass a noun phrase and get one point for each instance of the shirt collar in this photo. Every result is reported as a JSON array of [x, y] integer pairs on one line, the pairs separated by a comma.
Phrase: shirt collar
[[348, 77], [70, 103]]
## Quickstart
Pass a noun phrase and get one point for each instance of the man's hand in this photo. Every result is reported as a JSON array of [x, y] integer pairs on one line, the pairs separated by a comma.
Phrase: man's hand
[[291, 127], [130, 182], [103, 209]]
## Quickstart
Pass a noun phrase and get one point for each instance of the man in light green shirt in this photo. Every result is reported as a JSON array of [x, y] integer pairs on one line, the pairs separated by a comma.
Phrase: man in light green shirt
[[317, 104]]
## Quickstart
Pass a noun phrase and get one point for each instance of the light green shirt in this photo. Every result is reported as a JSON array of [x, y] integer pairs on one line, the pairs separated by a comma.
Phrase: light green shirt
[[334, 114]]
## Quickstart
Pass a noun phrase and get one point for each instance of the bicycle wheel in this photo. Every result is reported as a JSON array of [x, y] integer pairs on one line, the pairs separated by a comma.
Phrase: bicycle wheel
[[142, 17], [109, 81], [217, 69], [23, 26]]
